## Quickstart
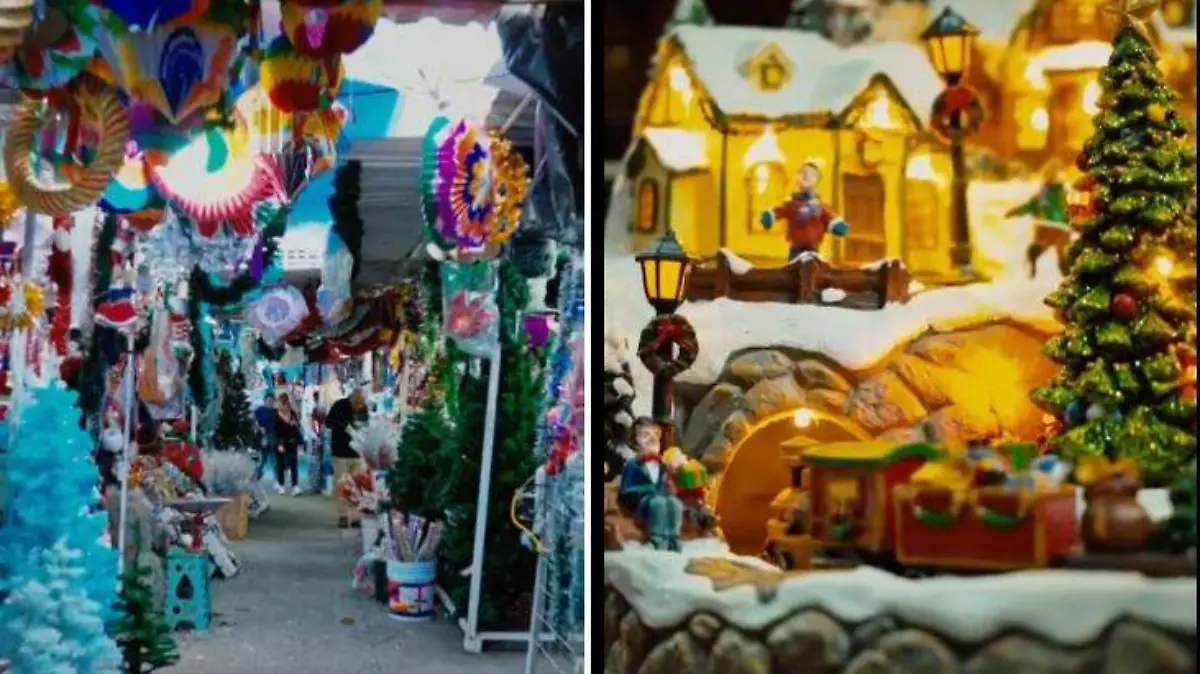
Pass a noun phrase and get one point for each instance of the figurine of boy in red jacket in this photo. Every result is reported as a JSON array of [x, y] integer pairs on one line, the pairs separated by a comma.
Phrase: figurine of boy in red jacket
[[807, 218]]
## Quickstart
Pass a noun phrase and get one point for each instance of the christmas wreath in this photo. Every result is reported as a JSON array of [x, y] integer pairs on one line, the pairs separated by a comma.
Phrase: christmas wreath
[[672, 330], [957, 112]]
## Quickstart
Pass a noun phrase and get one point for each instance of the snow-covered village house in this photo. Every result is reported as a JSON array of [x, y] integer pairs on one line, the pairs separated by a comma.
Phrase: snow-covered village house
[[731, 114]]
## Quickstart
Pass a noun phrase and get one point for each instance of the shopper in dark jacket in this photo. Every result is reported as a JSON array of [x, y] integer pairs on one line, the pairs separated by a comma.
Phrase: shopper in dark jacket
[[288, 440], [342, 415]]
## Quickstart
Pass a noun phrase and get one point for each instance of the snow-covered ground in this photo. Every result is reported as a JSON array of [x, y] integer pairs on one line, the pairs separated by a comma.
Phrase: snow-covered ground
[[1063, 606], [856, 339]]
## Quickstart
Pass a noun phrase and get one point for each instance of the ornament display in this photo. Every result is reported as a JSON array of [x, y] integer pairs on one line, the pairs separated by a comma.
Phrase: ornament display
[[672, 331], [42, 70], [178, 70], [98, 107], [277, 313], [1124, 306], [511, 175], [329, 29], [231, 180], [335, 295], [296, 83], [472, 317], [22, 303], [15, 18], [457, 185], [131, 195]]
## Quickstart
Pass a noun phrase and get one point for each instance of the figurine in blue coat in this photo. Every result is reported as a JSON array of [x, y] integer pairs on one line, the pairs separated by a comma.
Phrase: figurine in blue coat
[[646, 488]]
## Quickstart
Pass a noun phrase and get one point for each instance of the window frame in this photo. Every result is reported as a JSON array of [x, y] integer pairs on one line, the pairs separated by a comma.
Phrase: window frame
[[646, 186]]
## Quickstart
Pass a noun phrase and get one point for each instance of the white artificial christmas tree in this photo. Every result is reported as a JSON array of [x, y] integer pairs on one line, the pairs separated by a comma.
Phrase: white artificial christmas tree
[[619, 394]]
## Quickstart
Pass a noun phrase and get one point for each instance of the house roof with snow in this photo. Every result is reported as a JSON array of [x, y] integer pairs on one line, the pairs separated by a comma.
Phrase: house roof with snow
[[678, 150], [826, 77]]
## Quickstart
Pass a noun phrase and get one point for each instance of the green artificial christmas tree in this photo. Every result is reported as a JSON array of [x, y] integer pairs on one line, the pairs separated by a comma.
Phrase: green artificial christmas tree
[[145, 640], [1129, 347], [508, 567], [236, 429]]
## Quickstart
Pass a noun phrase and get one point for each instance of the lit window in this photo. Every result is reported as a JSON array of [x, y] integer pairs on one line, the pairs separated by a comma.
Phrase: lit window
[[771, 75], [647, 206], [767, 187]]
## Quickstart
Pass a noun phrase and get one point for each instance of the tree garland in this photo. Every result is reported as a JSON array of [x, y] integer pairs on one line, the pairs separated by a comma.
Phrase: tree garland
[[343, 206], [90, 382], [199, 379]]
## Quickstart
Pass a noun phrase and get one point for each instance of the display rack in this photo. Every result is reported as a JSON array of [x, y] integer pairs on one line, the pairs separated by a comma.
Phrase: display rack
[[556, 626]]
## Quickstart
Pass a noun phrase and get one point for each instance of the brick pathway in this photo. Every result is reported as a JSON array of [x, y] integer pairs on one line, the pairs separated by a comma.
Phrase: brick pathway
[[291, 610]]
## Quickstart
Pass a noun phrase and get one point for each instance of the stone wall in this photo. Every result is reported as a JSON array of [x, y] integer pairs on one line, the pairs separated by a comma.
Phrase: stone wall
[[810, 641], [942, 387]]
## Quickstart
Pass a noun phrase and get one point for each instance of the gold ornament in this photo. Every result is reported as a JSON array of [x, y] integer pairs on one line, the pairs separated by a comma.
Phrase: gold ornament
[[9, 204], [1156, 112], [1136, 13], [511, 175]]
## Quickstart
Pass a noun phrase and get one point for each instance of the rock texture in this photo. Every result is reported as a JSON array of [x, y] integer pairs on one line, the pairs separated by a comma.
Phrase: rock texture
[[812, 642], [944, 387]]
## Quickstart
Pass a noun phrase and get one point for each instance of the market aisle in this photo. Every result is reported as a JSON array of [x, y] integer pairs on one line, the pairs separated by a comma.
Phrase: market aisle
[[284, 613]]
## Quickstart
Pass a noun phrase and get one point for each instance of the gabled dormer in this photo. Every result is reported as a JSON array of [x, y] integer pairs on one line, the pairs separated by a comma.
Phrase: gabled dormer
[[769, 69]]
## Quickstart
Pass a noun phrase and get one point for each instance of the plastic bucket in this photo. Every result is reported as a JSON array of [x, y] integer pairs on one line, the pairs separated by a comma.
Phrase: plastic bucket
[[411, 594]]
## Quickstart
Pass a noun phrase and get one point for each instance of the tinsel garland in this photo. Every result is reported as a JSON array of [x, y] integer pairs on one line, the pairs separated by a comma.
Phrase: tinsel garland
[[90, 382], [200, 376], [203, 289], [343, 206], [60, 274], [556, 438]]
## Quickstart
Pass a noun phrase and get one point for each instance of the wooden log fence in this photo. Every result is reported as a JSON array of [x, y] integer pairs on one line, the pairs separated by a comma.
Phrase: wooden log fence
[[809, 280]]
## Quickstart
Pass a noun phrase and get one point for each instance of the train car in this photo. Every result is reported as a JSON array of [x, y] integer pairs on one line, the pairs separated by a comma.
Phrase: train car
[[855, 499]]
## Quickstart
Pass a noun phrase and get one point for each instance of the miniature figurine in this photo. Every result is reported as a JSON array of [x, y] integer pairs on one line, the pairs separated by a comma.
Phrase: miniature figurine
[[646, 489], [689, 481], [1049, 209], [1113, 520], [808, 219]]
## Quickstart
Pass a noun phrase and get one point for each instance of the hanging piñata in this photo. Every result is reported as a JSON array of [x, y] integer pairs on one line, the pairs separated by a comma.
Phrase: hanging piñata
[[330, 28], [296, 83]]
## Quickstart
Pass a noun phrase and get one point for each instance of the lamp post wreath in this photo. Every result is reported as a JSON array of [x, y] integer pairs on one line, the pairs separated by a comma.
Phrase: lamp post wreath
[[957, 104], [673, 330]]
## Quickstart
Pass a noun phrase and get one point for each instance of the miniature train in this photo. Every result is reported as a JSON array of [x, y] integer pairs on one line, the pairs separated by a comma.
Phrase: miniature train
[[855, 501]]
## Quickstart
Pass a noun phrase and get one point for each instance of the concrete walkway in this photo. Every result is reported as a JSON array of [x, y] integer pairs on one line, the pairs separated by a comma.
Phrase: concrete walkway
[[291, 610]]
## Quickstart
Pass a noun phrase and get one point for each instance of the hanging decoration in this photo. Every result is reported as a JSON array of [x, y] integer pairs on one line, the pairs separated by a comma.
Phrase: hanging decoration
[[99, 108], [142, 15], [303, 144], [45, 70], [206, 291], [18, 17], [322, 30], [60, 273], [232, 182], [335, 294], [463, 188], [562, 426], [472, 317], [178, 70], [279, 311], [295, 83], [131, 195], [512, 186]]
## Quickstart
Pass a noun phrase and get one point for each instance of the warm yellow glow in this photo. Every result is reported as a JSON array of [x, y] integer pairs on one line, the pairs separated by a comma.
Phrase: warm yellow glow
[[920, 167], [803, 417], [679, 79], [1039, 119], [1080, 56], [950, 54], [765, 150], [879, 114], [762, 178], [661, 279], [1091, 98], [1164, 265]]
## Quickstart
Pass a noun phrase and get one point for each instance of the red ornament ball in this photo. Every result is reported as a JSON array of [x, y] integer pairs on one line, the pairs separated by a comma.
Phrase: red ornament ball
[[1124, 306]]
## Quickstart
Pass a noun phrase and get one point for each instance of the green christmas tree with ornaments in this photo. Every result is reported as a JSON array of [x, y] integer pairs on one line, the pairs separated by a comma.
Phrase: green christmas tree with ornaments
[[1127, 388], [236, 429]]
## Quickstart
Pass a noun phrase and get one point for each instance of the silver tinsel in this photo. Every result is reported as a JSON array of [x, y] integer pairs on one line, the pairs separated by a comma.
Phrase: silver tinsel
[[171, 251]]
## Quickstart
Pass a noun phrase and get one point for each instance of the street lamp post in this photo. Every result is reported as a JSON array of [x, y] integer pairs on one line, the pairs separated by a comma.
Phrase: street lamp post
[[957, 113], [666, 269]]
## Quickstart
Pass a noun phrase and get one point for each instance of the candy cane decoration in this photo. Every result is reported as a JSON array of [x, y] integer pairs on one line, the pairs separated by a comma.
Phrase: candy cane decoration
[[60, 273]]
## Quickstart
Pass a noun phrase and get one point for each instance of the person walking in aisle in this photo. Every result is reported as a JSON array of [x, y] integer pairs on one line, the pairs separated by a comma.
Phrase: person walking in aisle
[[264, 416], [288, 438], [342, 415]]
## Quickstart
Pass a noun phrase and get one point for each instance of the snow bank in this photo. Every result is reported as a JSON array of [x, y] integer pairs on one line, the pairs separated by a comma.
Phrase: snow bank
[[1067, 607]]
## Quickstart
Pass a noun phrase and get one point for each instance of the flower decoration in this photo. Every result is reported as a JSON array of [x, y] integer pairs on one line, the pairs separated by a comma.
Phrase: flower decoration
[[463, 187], [216, 179], [21, 304], [279, 311], [179, 70], [337, 28], [512, 186], [295, 83], [469, 315], [376, 442]]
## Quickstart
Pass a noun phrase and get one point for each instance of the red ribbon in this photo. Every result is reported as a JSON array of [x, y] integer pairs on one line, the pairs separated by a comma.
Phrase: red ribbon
[[59, 271], [670, 331]]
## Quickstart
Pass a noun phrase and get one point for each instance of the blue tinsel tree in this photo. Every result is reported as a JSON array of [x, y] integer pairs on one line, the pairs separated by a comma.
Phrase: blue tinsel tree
[[59, 575]]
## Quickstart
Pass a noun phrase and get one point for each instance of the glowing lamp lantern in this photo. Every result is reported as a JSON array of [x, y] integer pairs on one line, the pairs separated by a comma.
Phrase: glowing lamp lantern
[[949, 40], [179, 70], [296, 83], [666, 269], [323, 32]]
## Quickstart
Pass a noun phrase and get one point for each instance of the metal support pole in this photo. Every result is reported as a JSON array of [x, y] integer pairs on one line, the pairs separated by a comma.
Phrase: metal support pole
[[471, 641], [126, 459], [960, 252]]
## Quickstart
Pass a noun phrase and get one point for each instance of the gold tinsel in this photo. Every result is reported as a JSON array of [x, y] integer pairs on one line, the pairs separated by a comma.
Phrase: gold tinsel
[[511, 175], [9, 204], [20, 313]]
